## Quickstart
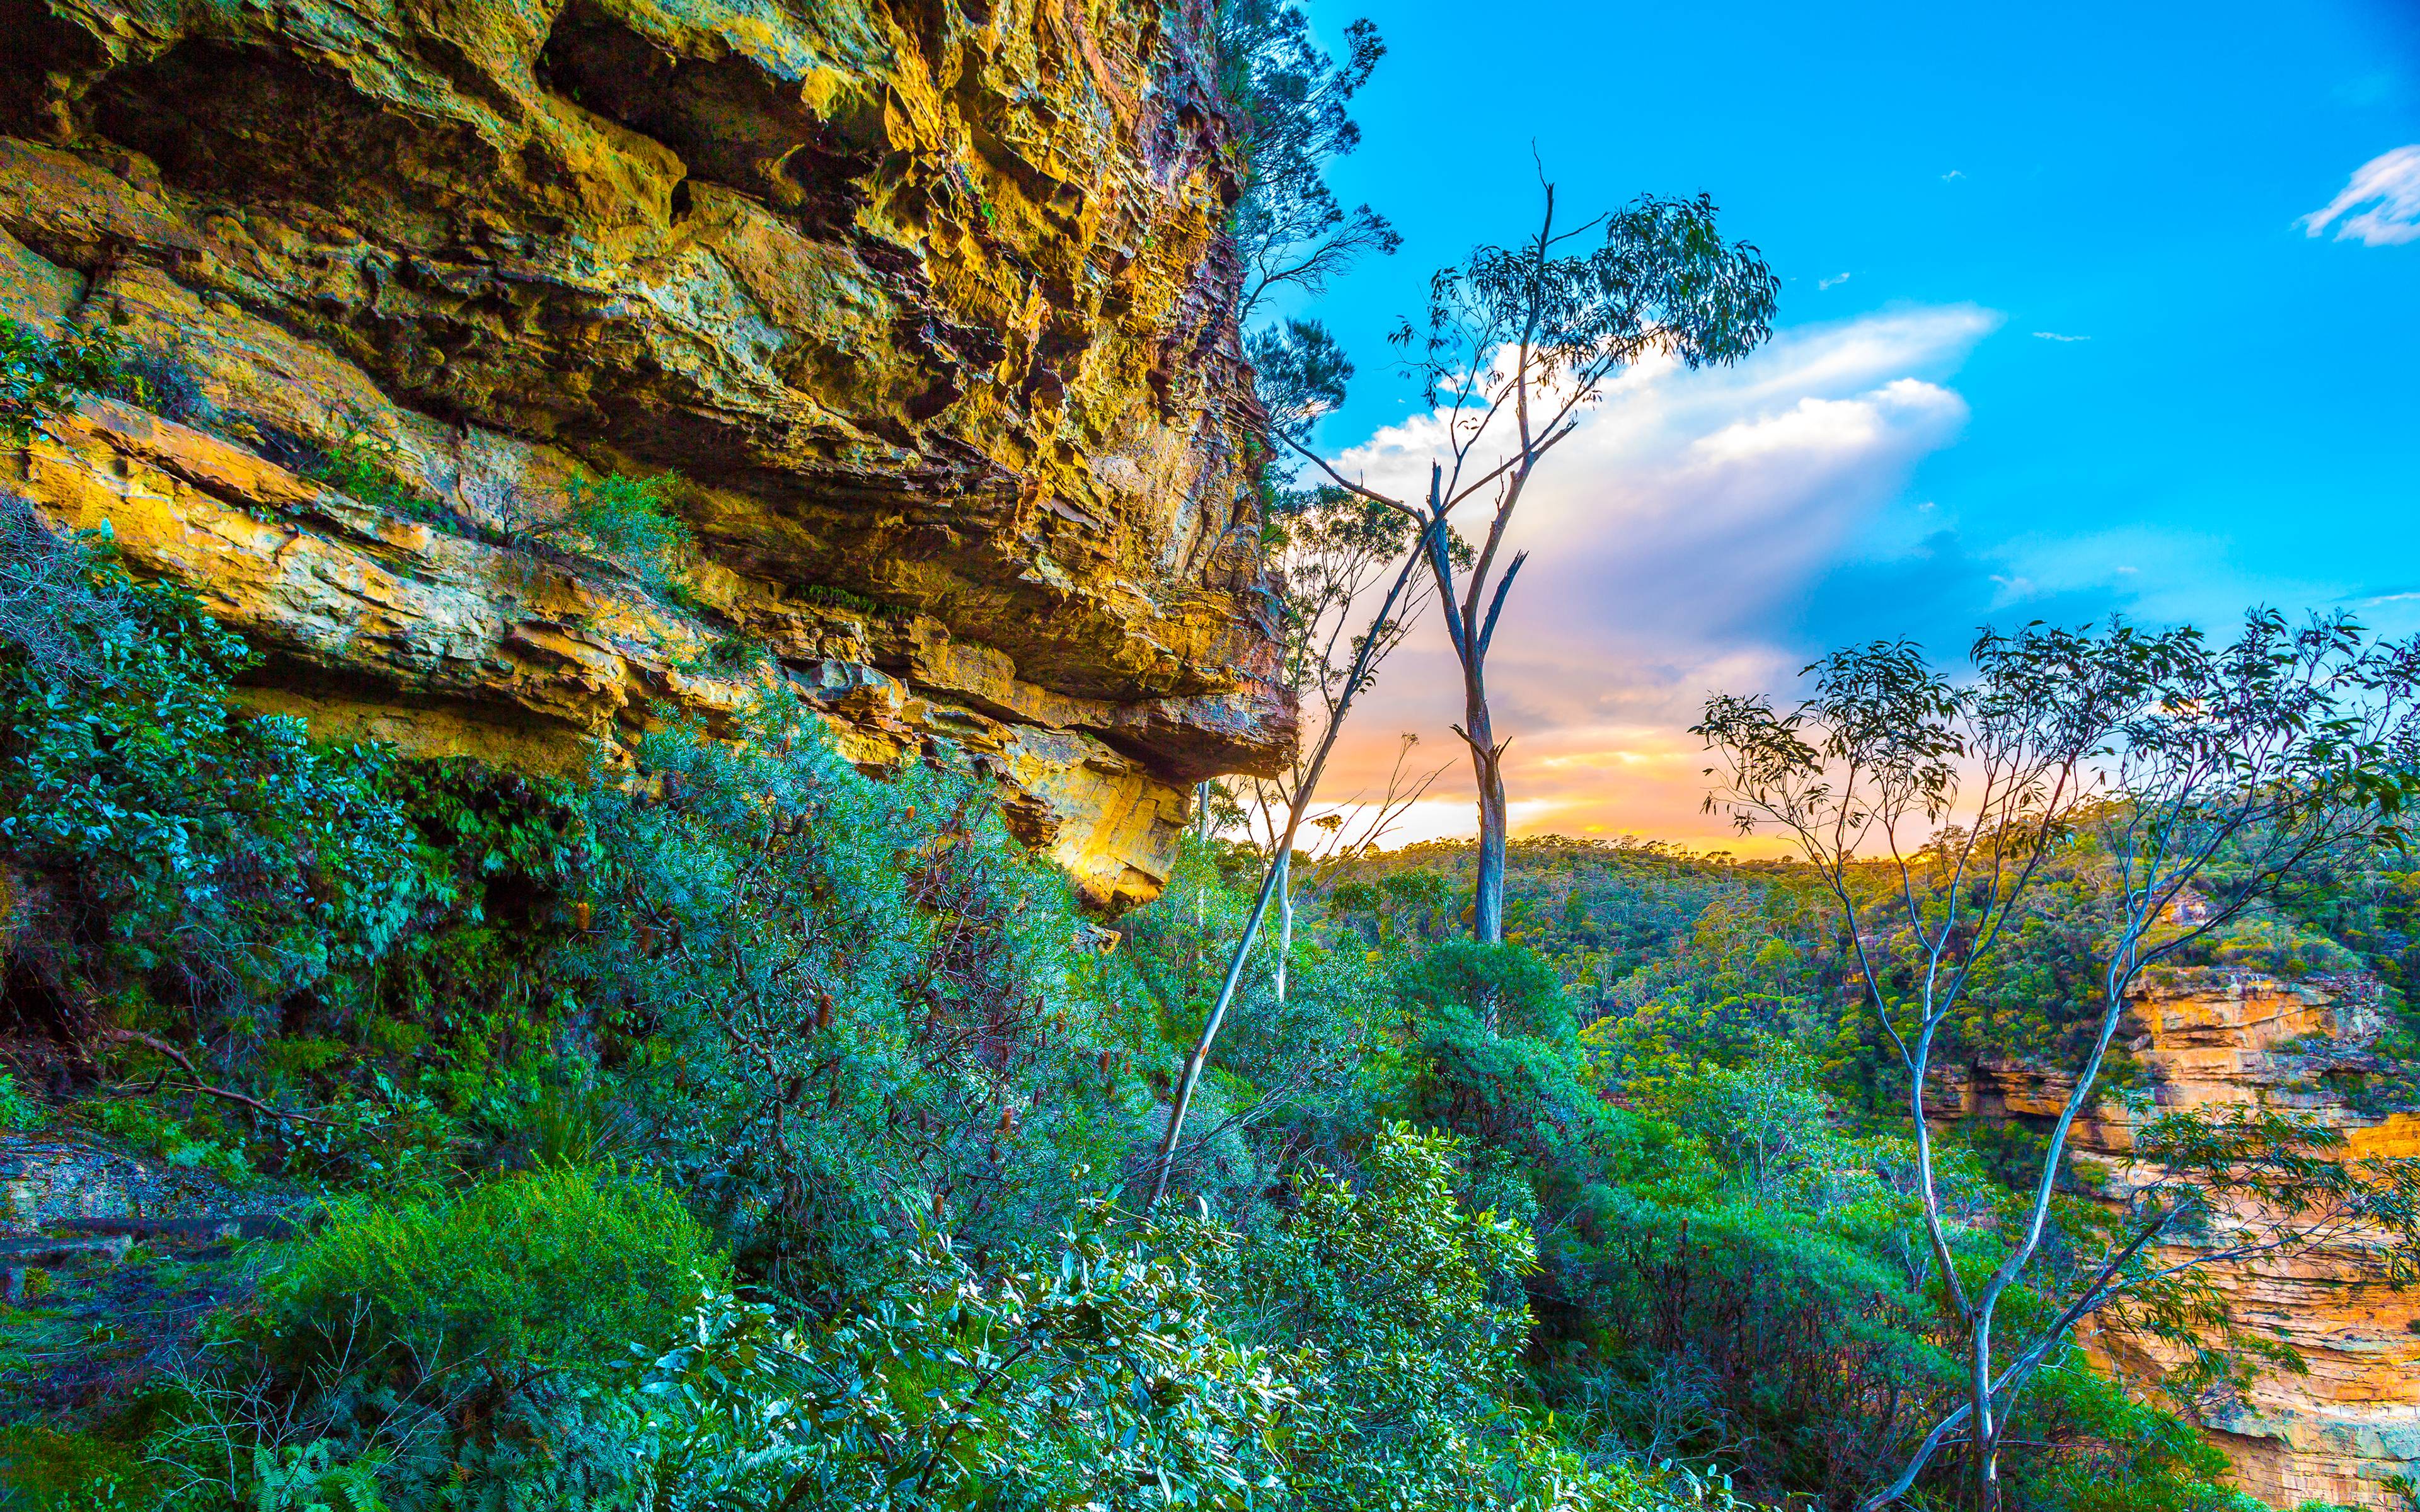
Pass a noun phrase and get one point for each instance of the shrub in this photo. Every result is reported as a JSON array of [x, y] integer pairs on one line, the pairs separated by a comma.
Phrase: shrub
[[1091, 1374], [1508, 984], [52, 613], [1361, 1358], [1764, 1123], [843, 598], [456, 1351], [47, 1468], [40, 374], [361, 466], [166, 383], [626, 521], [1401, 1318], [191, 851], [1738, 1329], [1516, 1097], [553, 1270], [832, 988], [18, 1112]]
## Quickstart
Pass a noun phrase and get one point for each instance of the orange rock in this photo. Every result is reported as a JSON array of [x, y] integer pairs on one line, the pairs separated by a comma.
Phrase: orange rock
[[932, 308], [2338, 1433]]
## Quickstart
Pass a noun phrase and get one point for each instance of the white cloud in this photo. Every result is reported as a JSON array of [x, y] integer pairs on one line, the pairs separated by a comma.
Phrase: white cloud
[[1833, 282], [2389, 186], [1954, 173], [1675, 536], [2053, 335]]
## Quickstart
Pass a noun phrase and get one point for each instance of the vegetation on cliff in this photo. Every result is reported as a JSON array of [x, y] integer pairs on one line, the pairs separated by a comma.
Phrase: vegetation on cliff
[[464, 1035], [737, 1129]]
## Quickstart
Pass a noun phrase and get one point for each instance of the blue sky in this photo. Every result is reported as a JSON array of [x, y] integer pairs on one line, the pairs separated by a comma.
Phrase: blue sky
[[2055, 339]]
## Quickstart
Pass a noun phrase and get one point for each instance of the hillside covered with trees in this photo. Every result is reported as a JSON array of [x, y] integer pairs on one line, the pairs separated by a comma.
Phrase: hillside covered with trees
[[750, 1132]]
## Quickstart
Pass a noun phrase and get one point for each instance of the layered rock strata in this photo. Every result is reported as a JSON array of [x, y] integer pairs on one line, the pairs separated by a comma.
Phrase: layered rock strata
[[926, 303], [2343, 1432]]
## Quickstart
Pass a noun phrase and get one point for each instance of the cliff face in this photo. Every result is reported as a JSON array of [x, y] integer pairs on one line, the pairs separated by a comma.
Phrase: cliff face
[[925, 300], [2338, 1433]]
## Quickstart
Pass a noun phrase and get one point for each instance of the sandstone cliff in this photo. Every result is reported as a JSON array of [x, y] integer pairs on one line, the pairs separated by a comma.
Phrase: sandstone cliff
[[925, 300], [2341, 1432]]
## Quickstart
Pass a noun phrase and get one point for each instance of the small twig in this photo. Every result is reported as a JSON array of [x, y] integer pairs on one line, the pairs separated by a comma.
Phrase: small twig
[[162, 1046]]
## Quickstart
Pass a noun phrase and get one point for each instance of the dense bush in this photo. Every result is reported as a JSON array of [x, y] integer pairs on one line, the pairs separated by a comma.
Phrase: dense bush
[[1095, 1374], [738, 1130], [519, 1277], [1361, 1356], [831, 992], [626, 521], [462, 1351], [191, 852]]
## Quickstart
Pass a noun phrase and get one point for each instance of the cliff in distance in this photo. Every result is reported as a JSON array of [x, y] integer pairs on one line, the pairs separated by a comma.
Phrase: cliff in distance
[[927, 305], [2343, 1431]]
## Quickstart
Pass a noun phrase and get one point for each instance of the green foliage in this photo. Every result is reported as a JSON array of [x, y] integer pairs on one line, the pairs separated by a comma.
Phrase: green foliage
[[1401, 1314], [311, 1478], [626, 521], [1300, 372], [2116, 1453], [46, 1469], [1356, 1357], [1287, 103], [834, 988], [842, 598], [1763, 1121], [18, 1113], [541, 1272], [1094, 1376], [1508, 984], [40, 374], [360, 465], [195, 853], [1609, 1216], [1289, 1074], [446, 1352], [1770, 1339]]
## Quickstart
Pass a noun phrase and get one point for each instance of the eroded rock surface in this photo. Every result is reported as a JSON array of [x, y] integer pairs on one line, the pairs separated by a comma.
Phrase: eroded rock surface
[[2343, 1431], [926, 301]]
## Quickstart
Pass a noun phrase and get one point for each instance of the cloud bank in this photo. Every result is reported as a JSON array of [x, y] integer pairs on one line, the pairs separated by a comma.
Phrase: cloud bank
[[2389, 186], [1688, 537]]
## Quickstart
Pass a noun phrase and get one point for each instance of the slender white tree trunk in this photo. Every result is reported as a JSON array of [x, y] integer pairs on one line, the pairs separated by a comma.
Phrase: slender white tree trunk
[[1190, 1078], [1285, 923]]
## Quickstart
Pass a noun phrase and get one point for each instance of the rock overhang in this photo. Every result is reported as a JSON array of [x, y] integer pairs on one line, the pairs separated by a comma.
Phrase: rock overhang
[[928, 304]]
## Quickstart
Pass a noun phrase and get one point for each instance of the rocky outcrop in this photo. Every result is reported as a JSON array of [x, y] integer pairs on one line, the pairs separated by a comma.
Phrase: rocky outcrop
[[2342, 1431], [925, 302]]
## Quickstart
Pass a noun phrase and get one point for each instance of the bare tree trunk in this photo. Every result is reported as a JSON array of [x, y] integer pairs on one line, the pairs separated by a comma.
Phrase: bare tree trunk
[[1285, 922], [1470, 635], [1986, 1446], [1190, 1079], [1487, 773]]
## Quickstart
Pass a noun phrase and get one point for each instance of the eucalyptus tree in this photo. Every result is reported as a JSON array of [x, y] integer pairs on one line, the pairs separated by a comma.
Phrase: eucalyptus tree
[[2175, 772], [1368, 647], [1287, 98], [1336, 552], [1346, 552], [1515, 344]]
